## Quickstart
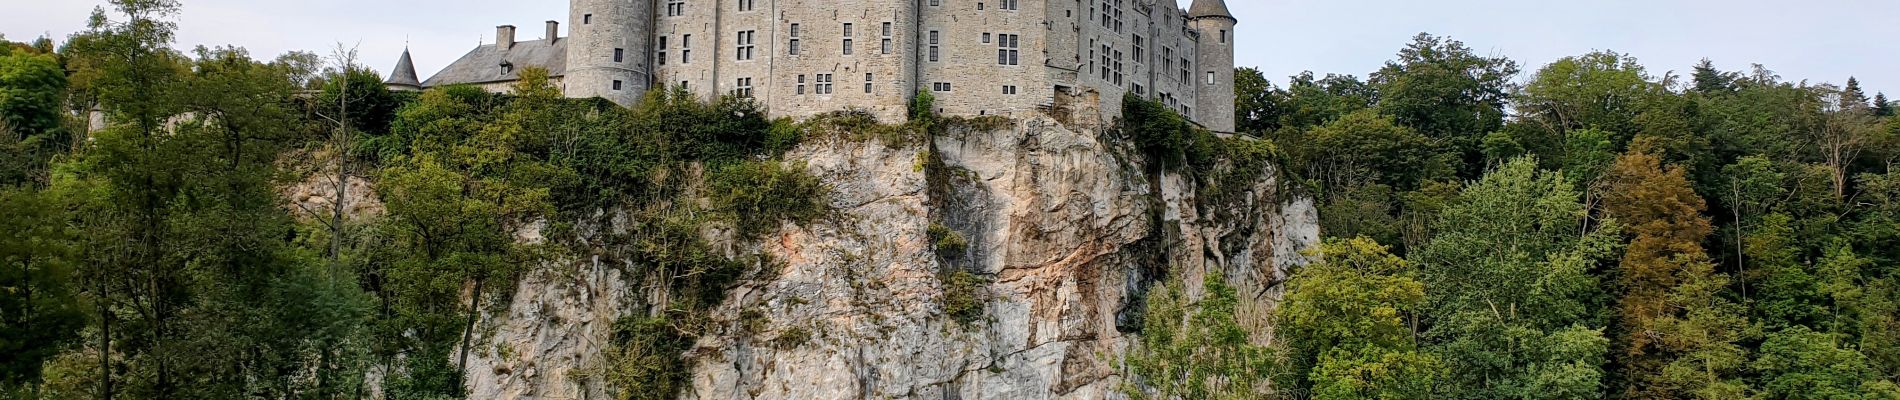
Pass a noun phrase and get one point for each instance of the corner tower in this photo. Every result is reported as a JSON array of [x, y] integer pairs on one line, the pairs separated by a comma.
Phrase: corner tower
[[609, 49], [1214, 103]]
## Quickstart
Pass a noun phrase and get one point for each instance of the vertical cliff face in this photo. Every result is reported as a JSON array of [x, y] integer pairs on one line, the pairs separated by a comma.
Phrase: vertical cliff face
[[1066, 230]]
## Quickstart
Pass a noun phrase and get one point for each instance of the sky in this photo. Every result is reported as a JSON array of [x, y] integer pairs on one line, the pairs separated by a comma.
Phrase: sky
[[1814, 40]]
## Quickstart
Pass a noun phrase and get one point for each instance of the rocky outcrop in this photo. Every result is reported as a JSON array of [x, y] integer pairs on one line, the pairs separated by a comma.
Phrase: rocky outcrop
[[1067, 228]]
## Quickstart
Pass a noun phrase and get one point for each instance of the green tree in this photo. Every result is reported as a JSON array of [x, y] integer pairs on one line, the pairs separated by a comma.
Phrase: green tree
[[1196, 350], [1347, 324], [1259, 106], [1710, 81], [1512, 292], [1798, 363], [1366, 147], [1601, 90], [39, 312], [1439, 87]]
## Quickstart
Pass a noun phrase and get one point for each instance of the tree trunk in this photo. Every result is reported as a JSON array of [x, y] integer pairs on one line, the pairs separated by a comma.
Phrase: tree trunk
[[468, 333]]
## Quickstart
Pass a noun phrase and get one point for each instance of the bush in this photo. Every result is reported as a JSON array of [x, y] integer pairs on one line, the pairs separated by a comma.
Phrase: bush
[[963, 296], [1156, 130], [649, 361], [949, 244], [759, 195]]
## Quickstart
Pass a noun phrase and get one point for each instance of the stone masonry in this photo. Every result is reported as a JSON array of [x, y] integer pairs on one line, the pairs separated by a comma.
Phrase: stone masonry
[[806, 57]]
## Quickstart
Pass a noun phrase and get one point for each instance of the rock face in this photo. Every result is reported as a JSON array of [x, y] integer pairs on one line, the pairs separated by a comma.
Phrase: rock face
[[1067, 228]]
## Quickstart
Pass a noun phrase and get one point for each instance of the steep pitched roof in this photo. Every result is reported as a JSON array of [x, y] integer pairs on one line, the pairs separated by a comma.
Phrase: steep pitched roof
[[405, 72], [484, 64], [1209, 8]]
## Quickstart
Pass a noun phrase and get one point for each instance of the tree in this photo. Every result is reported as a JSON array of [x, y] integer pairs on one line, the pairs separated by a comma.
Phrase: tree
[[1366, 147], [1512, 294], [1259, 106], [1711, 81], [32, 87], [1798, 363], [1676, 334], [39, 312], [1347, 324], [1445, 91], [1852, 97], [1882, 107], [1601, 90], [1196, 350]]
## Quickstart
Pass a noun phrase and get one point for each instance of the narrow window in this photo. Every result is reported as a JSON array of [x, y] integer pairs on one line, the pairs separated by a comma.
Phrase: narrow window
[[847, 39], [616, 85], [1223, 36], [986, 38], [1210, 77], [933, 46], [801, 84], [886, 43], [587, 19], [792, 47], [620, 55], [686, 49], [867, 83]]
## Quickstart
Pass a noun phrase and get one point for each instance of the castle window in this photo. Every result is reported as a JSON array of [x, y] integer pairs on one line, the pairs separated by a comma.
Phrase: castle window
[[686, 49], [940, 86], [746, 45], [662, 57], [934, 3], [620, 55], [1167, 58], [979, 6], [675, 8], [683, 85], [1140, 90], [1105, 62], [745, 5], [792, 47], [986, 38], [616, 85], [887, 38], [1010, 4], [1223, 36], [1139, 50], [822, 84], [1008, 89], [1210, 77], [1184, 71], [847, 39], [867, 83], [744, 88], [933, 46], [1008, 51], [801, 84], [587, 19]]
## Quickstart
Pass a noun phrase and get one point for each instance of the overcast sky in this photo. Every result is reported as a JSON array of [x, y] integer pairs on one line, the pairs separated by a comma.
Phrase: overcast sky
[[1817, 40]]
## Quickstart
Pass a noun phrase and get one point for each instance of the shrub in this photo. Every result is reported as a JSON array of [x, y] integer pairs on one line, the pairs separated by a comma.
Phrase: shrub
[[759, 195], [963, 296], [949, 244], [649, 362]]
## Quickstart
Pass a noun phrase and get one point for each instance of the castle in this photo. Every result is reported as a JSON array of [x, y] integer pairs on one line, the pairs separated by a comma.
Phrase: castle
[[806, 57]]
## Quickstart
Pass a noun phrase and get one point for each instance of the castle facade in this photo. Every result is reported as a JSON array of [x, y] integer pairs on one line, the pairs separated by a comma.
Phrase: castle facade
[[806, 57]]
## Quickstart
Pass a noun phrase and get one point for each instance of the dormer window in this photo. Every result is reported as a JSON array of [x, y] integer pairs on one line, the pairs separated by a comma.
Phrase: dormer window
[[507, 68]]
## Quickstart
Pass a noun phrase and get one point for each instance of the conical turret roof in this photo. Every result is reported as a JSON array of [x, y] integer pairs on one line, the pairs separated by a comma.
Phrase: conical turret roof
[[405, 73], [1209, 8]]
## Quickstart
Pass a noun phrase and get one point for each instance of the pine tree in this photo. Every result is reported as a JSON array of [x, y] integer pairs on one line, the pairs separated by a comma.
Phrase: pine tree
[[1852, 97], [1882, 107], [1709, 80]]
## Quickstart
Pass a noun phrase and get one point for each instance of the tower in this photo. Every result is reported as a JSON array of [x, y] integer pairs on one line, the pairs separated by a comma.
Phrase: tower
[[608, 49], [403, 78], [1214, 105]]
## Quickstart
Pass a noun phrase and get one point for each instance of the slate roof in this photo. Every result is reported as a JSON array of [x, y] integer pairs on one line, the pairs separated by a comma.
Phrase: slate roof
[[484, 64], [405, 72], [1209, 8]]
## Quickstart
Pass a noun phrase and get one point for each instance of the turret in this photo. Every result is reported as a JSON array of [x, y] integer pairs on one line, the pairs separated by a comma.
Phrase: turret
[[609, 52], [1214, 103], [403, 78]]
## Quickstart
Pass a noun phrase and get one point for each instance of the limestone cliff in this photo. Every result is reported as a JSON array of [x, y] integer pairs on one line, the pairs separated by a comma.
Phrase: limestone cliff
[[1067, 228]]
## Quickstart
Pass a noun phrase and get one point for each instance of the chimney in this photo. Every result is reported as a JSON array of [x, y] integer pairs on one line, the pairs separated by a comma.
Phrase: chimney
[[554, 31], [505, 37]]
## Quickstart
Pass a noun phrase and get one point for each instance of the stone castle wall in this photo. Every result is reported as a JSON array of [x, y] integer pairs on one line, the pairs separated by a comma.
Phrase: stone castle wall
[[722, 47]]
